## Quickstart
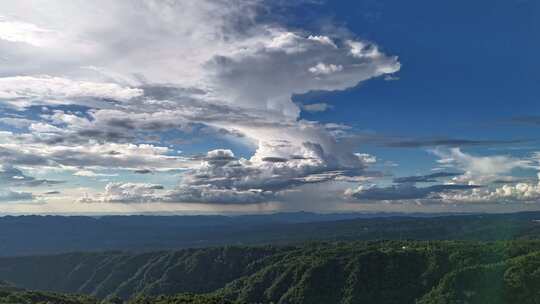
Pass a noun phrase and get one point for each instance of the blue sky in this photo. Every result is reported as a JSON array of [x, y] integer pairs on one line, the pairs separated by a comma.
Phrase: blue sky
[[468, 69], [254, 106]]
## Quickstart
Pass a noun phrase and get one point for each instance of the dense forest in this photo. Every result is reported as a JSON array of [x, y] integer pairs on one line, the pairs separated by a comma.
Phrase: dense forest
[[12, 295], [329, 272]]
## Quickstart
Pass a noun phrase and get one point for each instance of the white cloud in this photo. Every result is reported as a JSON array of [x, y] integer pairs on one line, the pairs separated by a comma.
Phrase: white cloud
[[361, 49], [367, 158], [23, 32], [323, 40], [523, 192], [126, 193], [89, 173], [325, 69], [221, 178], [479, 184], [266, 75], [133, 39], [480, 169], [19, 151], [316, 107], [24, 91]]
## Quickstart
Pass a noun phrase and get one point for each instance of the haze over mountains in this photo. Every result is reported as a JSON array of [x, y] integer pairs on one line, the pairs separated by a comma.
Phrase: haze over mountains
[[31, 235]]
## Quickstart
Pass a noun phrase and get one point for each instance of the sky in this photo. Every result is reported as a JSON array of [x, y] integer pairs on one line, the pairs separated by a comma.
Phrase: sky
[[249, 106]]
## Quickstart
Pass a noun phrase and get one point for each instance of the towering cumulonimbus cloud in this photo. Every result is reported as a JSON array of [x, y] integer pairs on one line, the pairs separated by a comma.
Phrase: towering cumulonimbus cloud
[[106, 94]]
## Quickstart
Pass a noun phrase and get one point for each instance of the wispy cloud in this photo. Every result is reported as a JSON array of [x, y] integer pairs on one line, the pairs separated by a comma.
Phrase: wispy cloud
[[316, 107]]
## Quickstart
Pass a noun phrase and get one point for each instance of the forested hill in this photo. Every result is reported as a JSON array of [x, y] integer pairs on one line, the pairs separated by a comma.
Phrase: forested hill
[[11, 295], [344, 272], [31, 235]]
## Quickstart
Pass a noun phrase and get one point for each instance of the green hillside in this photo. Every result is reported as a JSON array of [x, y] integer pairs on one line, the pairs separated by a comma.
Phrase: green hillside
[[35, 297], [385, 272], [123, 274], [13, 295], [346, 272]]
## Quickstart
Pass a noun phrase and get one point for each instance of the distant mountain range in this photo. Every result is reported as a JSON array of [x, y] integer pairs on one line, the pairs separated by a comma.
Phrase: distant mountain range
[[31, 235]]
